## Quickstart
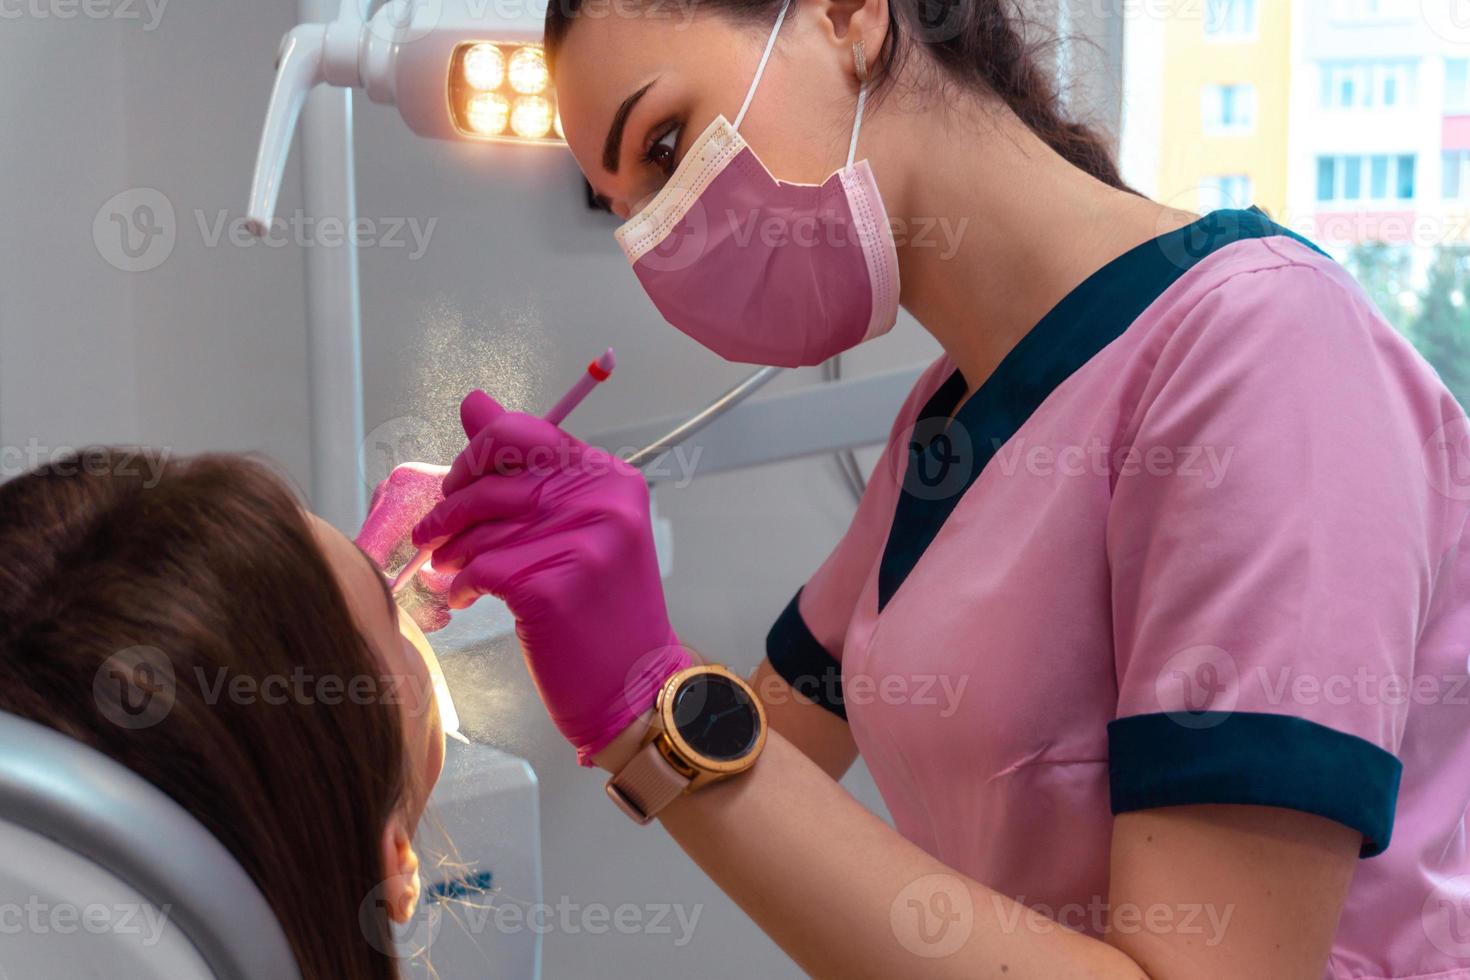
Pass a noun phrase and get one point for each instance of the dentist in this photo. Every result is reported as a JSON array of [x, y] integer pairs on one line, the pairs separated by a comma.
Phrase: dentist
[[1180, 744]]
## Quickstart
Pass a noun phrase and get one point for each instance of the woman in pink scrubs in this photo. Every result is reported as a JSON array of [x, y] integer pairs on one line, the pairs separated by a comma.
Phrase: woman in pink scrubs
[[1152, 625]]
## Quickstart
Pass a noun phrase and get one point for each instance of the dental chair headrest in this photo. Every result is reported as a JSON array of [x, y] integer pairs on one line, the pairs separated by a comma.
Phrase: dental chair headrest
[[80, 831]]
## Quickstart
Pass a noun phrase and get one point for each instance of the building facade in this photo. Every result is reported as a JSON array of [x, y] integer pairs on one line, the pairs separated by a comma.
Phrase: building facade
[[1207, 100], [1380, 135]]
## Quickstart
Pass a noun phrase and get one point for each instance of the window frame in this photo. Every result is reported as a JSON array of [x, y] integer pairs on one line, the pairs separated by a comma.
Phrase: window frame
[[1366, 166], [1242, 97], [1223, 32]]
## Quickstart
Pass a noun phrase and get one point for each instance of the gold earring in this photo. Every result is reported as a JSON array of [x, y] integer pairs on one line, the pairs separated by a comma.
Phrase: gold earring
[[860, 61]]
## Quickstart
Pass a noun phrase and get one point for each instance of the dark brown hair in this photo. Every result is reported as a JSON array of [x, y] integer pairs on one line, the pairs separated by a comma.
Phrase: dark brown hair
[[978, 44], [208, 564]]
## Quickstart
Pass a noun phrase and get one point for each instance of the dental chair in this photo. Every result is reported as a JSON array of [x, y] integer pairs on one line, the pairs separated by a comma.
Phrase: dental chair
[[104, 877]]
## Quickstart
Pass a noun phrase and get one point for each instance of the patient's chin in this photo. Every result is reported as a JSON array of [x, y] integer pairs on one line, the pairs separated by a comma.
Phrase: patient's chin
[[425, 599]]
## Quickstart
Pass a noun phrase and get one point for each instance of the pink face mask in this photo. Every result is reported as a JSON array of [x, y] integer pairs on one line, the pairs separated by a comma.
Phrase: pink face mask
[[759, 270]]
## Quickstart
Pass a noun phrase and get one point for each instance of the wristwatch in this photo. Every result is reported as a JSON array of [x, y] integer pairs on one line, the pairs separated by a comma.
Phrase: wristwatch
[[708, 725]]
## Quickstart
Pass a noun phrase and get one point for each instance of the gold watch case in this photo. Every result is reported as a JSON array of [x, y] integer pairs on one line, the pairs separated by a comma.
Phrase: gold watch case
[[687, 760]]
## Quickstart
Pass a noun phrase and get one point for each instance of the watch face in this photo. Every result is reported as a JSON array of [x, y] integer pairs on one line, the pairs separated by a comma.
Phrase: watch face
[[715, 716]]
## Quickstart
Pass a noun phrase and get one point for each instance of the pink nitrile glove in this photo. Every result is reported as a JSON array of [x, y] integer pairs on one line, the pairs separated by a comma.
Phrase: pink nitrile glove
[[561, 532], [399, 502]]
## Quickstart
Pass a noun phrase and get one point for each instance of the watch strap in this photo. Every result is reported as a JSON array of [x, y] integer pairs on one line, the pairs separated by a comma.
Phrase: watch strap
[[647, 784]]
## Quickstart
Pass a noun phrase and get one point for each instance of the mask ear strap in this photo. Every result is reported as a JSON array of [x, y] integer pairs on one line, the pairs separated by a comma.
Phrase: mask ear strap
[[857, 123], [761, 68]]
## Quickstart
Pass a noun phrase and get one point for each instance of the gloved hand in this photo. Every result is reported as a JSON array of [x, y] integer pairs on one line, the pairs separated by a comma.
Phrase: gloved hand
[[398, 503], [561, 532]]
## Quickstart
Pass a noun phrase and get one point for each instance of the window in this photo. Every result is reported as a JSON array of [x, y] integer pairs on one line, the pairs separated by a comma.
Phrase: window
[[1341, 179], [1406, 178], [1378, 178], [1352, 178], [1327, 179], [1356, 134], [1227, 191], [1456, 172], [1230, 19], [1229, 109], [1367, 85], [1340, 87], [1457, 86]]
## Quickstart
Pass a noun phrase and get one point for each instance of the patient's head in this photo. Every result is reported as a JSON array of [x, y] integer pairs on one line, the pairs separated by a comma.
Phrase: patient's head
[[187, 618]]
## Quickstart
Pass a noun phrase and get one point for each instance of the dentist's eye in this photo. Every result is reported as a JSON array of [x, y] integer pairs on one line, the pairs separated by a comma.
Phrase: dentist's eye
[[661, 152]]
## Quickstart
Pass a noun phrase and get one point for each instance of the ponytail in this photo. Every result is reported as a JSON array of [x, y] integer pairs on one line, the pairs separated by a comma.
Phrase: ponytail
[[981, 43]]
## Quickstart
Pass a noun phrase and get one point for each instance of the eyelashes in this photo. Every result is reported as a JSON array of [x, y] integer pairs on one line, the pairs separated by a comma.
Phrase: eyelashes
[[662, 150]]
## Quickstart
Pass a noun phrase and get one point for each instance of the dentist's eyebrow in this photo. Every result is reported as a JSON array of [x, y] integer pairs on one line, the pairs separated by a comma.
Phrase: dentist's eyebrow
[[612, 146]]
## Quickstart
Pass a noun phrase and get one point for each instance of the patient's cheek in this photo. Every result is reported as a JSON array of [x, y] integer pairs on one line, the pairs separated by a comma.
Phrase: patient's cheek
[[424, 598]]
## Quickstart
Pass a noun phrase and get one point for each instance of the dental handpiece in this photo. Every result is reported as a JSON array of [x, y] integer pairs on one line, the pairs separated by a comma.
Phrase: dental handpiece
[[597, 372]]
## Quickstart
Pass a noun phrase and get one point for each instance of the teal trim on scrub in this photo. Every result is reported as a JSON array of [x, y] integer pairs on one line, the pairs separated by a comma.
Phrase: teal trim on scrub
[[944, 465], [800, 658], [1254, 759]]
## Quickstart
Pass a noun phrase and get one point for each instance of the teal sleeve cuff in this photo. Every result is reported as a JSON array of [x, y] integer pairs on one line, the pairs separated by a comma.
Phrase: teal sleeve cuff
[[1254, 759], [805, 664]]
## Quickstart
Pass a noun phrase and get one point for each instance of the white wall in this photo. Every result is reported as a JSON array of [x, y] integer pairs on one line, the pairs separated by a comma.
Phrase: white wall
[[205, 350]]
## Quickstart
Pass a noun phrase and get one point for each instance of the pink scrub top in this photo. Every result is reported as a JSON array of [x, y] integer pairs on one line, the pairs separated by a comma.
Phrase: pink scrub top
[[1199, 539]]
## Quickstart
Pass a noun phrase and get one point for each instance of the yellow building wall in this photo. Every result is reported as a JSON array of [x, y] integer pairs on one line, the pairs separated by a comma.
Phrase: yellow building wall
[[1191, 61]]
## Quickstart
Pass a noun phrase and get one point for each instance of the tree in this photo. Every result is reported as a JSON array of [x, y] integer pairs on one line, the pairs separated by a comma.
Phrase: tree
[[1383, 270], [1441, 328]]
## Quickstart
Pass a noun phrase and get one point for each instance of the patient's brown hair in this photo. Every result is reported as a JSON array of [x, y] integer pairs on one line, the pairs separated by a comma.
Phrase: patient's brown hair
[[210, 562]]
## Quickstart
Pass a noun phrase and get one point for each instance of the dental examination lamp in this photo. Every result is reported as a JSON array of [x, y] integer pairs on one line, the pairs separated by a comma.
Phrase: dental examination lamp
[[456, 69]]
